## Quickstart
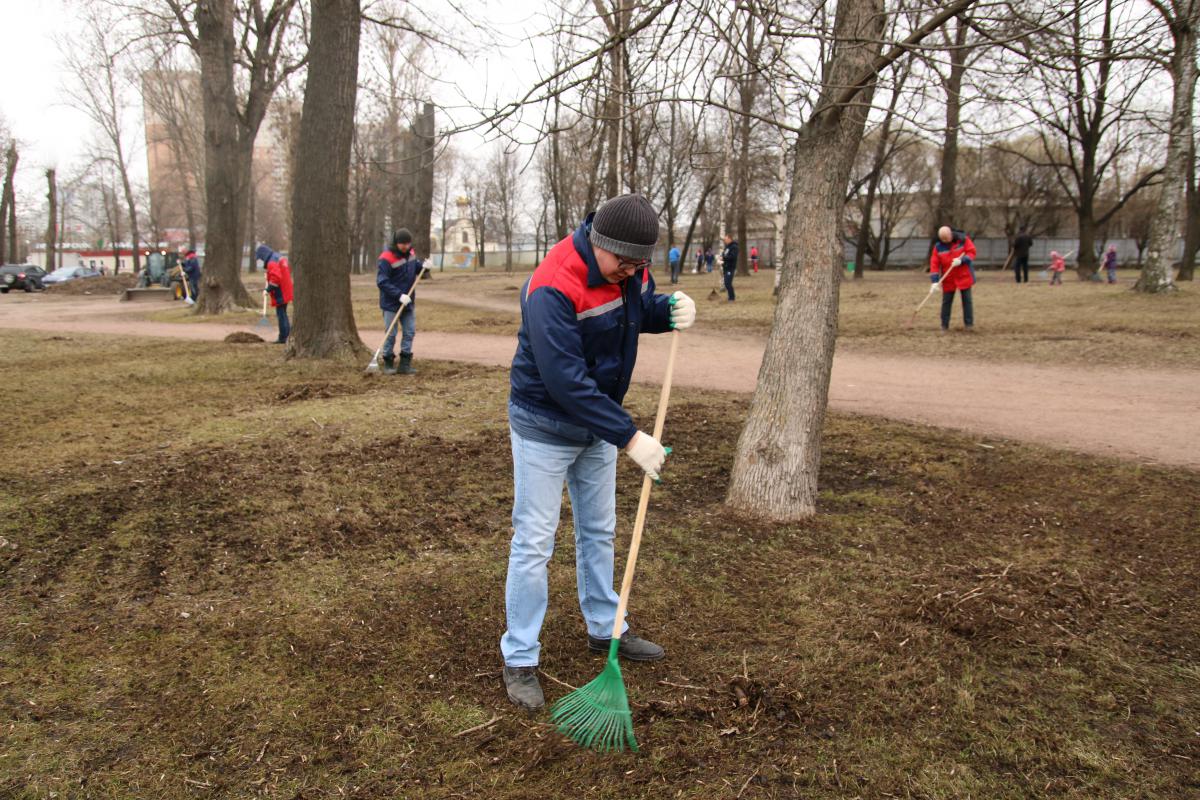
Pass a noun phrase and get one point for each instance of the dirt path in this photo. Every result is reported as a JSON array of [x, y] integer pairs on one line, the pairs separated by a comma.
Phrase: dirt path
[[1145, 415]]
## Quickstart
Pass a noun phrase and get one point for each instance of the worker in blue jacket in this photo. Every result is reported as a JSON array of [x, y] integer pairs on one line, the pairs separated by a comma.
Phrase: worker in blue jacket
[[582, 311], [396, 276], [191, 272]]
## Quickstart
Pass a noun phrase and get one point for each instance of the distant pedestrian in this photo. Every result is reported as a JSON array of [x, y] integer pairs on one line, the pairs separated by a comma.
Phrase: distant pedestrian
[[1057, 265], [279, 287], [950, 262], [699, 261], [1110, 263], [708, 259], [396, 276], [729, 257], [1021, 247], [673, 260], [191, 272], [754, 257]]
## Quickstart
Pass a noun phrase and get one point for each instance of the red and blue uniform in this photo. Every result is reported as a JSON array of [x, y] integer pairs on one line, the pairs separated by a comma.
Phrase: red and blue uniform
[[943, 255], [279, 275], [579, 338], [396, 274]]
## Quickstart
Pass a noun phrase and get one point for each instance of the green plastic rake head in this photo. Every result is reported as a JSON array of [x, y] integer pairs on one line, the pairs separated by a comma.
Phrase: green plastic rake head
[[597, 716]]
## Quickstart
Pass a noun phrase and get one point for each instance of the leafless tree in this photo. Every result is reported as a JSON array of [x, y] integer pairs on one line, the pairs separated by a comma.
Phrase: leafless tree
[[52, 216], [321, 248], [504, 191], [99, 87], [246, 49], [8, 206], [1182, 18]]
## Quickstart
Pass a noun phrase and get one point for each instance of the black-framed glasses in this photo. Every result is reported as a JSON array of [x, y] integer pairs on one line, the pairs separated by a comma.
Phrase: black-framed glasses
[[632, 265]]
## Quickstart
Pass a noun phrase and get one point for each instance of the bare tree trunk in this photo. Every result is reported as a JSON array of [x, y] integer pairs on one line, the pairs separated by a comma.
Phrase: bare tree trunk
[[252, 196], [947, 200], [709, 185], [324, 315], [14, 244], [8, 209], [225, 167], [424, 142], [1156, 274], [778, 455], [1191, 239], [52, 223]]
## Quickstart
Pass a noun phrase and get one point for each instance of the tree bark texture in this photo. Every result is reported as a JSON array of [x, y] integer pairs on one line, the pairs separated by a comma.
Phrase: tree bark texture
[[778, 455], [1160, 253], [14, 244], [52, 223], [1191, 214], [8, 208], [948, 189], [321, 197], [226, 161]]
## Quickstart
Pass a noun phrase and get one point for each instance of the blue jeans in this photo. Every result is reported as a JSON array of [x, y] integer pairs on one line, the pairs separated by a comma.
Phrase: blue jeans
[[408, 329], [285, 327], [539, 471]]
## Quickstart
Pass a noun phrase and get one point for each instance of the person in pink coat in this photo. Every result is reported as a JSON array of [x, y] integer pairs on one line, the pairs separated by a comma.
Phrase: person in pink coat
[[1057, 265], [950, 264]]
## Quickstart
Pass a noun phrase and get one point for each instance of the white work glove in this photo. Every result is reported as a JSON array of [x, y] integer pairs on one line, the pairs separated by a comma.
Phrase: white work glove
[[647, 452], [933, 287], [683, 311], [404, 300], [956, 262]]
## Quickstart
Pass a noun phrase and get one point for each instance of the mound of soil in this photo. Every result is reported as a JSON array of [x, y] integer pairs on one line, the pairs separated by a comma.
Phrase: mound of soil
[[315, 391], [243, 337], [105, 284]]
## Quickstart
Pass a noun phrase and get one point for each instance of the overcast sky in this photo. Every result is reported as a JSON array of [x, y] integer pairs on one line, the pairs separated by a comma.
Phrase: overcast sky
[[51, 133]]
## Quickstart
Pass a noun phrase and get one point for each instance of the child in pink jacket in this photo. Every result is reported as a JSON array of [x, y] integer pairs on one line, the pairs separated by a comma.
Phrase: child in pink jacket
[[1057, 265]]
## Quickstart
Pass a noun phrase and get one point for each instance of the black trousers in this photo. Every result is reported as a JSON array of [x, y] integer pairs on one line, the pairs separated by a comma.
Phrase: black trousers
[[1021, 268], [674, 272], [967, 305], [728, 275]]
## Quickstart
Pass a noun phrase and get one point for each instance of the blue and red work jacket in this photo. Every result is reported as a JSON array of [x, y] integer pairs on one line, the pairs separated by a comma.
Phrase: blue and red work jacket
[[579, 338], [396, 274], [943, 255]]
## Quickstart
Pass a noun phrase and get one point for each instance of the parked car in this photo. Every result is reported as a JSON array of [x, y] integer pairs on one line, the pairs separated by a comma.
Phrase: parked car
[[69, 274], [21, 276]]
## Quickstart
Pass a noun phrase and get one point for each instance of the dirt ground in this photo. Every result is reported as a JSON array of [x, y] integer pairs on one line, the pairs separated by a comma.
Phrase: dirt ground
[[227, 576], [1144, 414]]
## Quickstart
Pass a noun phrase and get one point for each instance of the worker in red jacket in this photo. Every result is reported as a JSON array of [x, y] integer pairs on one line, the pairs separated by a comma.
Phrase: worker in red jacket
[[279, 287], [950, 265]]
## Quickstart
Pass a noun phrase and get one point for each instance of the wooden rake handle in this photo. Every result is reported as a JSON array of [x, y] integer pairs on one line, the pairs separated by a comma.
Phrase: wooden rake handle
[[644, 501], [938, 285], [264, 311]]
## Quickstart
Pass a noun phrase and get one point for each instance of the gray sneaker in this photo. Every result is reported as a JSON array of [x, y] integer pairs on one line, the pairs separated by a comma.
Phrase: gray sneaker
[[523, 687], [632, 647]]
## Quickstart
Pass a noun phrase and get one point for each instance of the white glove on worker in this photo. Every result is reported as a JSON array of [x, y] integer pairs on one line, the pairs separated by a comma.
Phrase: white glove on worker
[[956, 262], [683, 311], [647, 452], [933, 287], [404, 300]]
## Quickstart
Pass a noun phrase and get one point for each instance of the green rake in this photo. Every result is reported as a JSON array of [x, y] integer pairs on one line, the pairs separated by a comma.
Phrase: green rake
[[597, 715]]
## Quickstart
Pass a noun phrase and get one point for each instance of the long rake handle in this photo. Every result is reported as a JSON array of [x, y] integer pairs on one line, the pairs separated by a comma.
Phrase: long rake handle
[[644, 501], [264, 311], [939, 283]]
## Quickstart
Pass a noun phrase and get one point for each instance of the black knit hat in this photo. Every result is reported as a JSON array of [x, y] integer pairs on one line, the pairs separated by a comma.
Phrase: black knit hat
[[402, 236], [626, 225]]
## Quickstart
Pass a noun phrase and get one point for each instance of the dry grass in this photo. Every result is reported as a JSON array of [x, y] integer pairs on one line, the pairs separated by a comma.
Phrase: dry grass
[[224, 575]]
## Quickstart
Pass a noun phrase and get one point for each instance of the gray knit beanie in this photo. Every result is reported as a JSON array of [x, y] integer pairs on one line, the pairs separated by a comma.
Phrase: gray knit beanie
[[626, 225]]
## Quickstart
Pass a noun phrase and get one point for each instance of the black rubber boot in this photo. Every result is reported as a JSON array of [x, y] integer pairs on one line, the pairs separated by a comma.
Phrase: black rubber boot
[[389, 365], [406, 367], [632, 647], [523, 688]]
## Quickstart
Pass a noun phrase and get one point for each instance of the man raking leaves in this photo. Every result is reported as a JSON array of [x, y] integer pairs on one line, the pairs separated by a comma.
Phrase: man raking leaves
[[581, 314]]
